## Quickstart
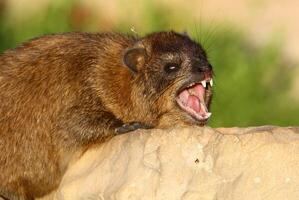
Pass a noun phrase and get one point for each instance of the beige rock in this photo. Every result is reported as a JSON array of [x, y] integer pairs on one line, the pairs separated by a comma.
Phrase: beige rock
[[258, 163]]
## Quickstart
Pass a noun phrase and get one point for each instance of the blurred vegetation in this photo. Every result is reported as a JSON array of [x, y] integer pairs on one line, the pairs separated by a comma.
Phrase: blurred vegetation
[[251, 84]]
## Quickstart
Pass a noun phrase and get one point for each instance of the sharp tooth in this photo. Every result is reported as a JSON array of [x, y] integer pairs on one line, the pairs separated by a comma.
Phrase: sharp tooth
[[211, 82], [204, 83], [209, 115]]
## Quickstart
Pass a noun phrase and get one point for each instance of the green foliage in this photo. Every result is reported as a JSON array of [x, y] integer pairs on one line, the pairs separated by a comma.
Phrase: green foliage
[[251, 84], [55, 19]]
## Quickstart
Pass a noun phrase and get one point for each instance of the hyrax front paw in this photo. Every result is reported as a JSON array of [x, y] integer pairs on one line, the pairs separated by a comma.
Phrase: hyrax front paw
[[132, 126]]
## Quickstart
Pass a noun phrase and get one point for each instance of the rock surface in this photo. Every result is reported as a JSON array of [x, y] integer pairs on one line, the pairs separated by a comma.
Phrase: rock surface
[[260, 163]]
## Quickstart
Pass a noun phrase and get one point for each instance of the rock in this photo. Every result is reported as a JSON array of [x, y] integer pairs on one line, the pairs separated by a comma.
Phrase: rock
[[258, 163]]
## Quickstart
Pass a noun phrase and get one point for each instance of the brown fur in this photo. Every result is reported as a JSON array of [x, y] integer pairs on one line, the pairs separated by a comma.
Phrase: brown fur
[[60, 94]]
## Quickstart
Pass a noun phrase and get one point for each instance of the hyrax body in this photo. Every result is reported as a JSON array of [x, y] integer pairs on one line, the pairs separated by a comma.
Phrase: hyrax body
[[60, 94]]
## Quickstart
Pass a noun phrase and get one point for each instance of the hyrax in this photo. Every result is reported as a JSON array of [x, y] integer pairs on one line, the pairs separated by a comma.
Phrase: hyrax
[[60, 94]]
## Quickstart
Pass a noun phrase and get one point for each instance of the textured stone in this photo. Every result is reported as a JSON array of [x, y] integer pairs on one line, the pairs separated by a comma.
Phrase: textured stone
[[260, 163]]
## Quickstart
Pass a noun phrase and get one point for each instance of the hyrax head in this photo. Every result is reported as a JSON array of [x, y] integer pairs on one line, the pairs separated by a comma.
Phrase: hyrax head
[[174, 74]]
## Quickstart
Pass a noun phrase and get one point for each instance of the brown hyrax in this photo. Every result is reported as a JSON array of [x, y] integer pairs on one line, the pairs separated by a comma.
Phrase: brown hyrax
[[61, 94]]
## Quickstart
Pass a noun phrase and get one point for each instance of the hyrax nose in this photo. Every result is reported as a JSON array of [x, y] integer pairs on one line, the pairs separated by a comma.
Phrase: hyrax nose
[[202, 68], [205, 68]]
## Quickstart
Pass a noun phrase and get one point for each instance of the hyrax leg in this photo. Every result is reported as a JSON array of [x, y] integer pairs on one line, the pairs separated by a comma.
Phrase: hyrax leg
[[131, 127]]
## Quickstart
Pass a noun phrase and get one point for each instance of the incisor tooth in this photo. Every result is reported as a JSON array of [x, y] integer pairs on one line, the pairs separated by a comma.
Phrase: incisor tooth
[[204, 83], [211, 82], [209, 115]]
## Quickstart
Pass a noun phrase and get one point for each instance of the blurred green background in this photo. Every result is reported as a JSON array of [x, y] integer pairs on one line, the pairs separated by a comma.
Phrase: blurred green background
[[253, 84]]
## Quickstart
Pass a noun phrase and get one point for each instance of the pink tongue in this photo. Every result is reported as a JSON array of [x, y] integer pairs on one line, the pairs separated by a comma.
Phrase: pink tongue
[[196, 103], [199, 89], [193, 103]]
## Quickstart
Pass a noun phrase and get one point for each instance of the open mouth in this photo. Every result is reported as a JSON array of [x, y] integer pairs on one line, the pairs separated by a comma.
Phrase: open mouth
[[192, 99]]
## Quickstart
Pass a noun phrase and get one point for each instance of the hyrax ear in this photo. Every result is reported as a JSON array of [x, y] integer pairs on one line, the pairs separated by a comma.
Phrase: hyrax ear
[[134, 58]]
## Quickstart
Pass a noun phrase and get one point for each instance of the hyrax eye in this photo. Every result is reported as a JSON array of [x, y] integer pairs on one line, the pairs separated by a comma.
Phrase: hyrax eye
[[171, 67]]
